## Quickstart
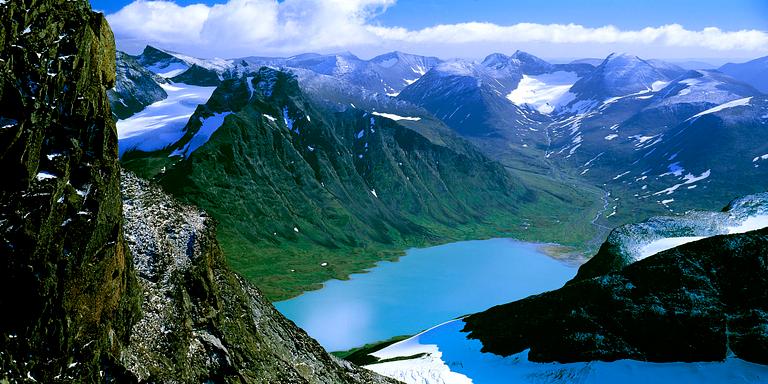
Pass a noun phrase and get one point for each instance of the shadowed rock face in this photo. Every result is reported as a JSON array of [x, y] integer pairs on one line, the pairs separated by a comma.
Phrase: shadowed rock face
[[135, 87], [66, 278], [697, 302], [75, 309]]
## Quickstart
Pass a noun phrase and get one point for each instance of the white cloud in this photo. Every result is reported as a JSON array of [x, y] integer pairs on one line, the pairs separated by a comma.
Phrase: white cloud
[[269, 27], [667, 35], [159, 21], [242, 27]]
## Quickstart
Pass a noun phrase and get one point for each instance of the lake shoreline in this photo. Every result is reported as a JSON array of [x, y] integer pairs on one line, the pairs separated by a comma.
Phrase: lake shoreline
[[431, 285]]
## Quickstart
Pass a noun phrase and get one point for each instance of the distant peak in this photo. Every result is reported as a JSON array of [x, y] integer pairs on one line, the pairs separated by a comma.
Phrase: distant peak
[[347, 55], [151, 49], [523, 55], [622, 56], [388, 56], [495, 60]]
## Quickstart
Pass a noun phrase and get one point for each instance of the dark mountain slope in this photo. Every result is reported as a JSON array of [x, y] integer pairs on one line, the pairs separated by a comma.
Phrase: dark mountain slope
[[690, 144], [197, 75], [700, 301], [754, 72]]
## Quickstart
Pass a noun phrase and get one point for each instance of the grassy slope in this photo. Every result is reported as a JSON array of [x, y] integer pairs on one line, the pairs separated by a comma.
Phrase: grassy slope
[[258, 179]]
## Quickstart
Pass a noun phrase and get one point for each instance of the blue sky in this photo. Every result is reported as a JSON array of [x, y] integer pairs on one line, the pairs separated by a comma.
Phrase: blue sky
[[447, 28], [697, 14]]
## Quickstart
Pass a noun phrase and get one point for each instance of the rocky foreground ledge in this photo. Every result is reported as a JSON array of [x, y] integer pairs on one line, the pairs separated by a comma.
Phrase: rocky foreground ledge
[[200, 320], [701, 301]]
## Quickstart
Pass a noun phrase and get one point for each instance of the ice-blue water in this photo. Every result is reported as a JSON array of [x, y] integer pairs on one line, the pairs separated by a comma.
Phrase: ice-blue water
[[426, 287]]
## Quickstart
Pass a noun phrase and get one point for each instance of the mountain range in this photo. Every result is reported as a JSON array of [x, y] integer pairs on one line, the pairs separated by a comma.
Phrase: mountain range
[[636, 129], [117, 237]]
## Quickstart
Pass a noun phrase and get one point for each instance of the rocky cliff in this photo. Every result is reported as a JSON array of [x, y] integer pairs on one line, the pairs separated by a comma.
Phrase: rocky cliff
[[201, 322], [77, 306], [66, 279], [701, 301]]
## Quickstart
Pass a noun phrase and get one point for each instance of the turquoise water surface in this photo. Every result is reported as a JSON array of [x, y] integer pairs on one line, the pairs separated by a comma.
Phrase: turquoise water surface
[[426, 287]]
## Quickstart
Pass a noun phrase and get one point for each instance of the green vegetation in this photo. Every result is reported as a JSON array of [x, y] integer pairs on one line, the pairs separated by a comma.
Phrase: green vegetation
[[362, 355], [303, 196]]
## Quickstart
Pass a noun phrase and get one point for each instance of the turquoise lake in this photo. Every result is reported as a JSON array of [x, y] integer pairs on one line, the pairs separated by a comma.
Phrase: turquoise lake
[[425, 287]]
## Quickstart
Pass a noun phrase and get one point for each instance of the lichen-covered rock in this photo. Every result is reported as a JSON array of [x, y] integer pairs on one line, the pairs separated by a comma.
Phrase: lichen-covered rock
[[135, 88], [201, 322], [66, 279]]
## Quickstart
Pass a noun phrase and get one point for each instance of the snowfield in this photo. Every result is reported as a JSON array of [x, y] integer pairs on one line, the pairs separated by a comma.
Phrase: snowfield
[[657, 246], [451, 358], [546, 92], [168, 70], [162, 123]]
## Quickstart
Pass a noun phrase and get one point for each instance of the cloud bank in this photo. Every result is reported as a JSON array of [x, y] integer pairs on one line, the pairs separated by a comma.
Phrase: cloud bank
[[269, 27]]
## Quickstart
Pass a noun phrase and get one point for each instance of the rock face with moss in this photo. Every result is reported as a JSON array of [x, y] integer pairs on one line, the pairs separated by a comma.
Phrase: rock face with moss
[[66, 279], [77, 307], [701, 301]]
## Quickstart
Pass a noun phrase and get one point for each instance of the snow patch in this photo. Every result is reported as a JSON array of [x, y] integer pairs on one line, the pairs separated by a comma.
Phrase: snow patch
[[162, 123], [45, 176], [451, 358], [752, 223], [168, 70], [208, 127], [731, 104], [546, 92], [664, 244], [392, 116], [249, 81], [688, 179], [658, 85]]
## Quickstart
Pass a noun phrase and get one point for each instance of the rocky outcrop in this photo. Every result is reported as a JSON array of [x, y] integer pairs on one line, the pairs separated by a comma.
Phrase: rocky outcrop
[[135, 88], [74, 307], [702, 301], [201, 322], [66, 279], [197, 75], [623, 245]]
